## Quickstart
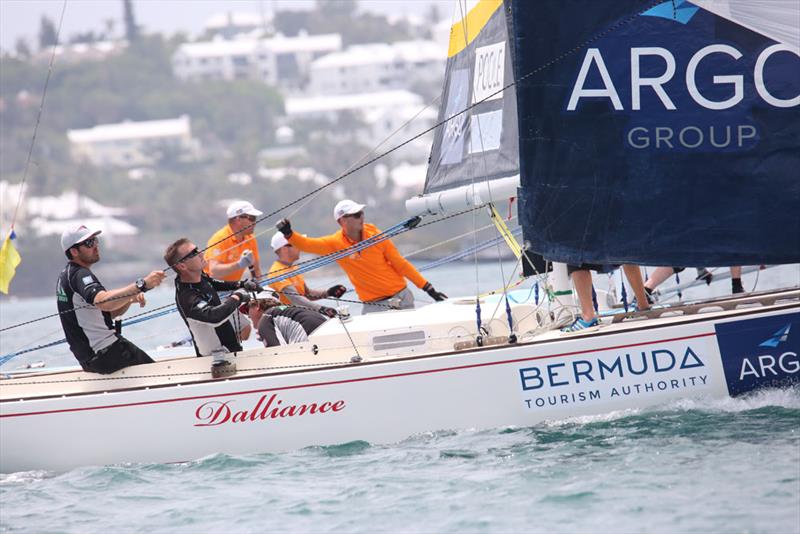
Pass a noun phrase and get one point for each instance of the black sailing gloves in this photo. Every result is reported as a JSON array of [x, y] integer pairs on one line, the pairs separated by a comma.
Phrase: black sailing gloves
[[438, 296], [284, 227], [250, 285], [336, 291], [329, 312]]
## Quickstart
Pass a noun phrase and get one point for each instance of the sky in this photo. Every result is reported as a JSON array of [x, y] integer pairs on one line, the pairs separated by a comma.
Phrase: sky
[[20, 18]]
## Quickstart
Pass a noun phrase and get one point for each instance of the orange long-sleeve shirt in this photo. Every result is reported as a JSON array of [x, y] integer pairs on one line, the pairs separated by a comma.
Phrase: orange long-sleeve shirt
[[376, 272], [228, 249], [297, 281]]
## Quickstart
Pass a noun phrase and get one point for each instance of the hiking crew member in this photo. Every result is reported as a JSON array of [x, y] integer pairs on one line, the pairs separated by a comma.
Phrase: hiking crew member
[[293, 290], [87, 309], [228, 257], [216, 326], [378, 273], [280, 325]]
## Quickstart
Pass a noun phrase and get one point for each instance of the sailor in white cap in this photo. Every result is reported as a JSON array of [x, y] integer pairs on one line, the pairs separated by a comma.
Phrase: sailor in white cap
[[233, 249], [87, 309], [378, 273]]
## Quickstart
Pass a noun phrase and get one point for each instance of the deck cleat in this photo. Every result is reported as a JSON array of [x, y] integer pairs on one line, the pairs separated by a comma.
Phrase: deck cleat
[[222, 368]]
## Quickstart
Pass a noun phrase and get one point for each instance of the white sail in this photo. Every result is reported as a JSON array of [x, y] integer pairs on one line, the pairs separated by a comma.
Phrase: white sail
[[776, 19]]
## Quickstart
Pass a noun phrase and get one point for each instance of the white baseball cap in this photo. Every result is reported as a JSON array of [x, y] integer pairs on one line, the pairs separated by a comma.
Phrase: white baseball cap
[[346, 207], [242, 207], [278, 241], [76, 234]]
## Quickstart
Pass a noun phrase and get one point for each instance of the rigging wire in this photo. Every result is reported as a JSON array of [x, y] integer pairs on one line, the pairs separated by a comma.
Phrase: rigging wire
[[39, 115]]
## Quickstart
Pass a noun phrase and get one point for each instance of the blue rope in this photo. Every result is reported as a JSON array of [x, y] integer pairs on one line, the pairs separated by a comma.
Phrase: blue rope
[[508, 316], [678, 283]]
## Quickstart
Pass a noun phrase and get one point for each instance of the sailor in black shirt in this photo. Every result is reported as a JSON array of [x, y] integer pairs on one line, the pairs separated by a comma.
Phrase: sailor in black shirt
[[87, 309], [216, 326]]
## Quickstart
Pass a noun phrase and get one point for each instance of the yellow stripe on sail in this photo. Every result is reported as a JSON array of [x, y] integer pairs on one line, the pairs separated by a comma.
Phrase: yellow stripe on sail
[[473, 23], [9, 259]]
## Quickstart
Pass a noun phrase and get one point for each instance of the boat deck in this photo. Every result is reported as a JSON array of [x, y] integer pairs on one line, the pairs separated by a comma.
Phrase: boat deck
[[431, 331]]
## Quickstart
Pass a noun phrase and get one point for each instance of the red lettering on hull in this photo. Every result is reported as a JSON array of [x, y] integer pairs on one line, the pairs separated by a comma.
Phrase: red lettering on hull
[[215, 413]]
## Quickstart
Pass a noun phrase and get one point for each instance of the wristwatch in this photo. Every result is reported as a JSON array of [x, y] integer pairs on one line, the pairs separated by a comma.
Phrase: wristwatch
[[141, 285]]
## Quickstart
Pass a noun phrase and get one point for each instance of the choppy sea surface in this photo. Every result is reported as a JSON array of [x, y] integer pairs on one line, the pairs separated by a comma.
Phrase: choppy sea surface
[[696, 466], [700, 465]]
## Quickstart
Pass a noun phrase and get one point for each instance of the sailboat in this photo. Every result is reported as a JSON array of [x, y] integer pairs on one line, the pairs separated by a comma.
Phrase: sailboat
[[629, 131]]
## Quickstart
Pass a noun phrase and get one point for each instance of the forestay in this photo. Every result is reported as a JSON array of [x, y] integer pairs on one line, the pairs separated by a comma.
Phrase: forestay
[[663, 134]]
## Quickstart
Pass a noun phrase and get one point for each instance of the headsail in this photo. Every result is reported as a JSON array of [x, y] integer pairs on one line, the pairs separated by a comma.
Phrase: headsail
[[662, 134], [474, 156]]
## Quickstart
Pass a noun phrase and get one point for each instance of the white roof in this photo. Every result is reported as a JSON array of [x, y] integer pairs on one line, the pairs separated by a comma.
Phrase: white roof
[[359, 101], [409, 176], [219, 48], [279, 44], [414, 113], [108, 225], [132, 130], [69, 205], [327, 42], [239, 19], [368, 54]]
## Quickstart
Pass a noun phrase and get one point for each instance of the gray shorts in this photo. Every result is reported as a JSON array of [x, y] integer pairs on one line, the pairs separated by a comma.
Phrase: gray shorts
[[402, 300]]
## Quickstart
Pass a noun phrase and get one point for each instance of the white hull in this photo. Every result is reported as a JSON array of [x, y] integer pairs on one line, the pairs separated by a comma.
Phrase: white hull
[[185, 415]]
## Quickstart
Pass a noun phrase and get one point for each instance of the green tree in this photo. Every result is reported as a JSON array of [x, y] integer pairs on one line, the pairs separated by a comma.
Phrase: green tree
[[47, 33]]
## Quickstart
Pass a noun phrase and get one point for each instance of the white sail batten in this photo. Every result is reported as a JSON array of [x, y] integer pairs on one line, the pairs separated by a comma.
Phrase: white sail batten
[[464, 197], [776, 19]]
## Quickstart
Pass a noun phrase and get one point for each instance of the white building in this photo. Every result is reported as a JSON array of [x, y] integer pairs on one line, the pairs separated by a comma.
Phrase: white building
[[128, 144], [316, 107], [378, 67], [233, 23], [278, 61], [51, 215], [79, 52], [390, 117]]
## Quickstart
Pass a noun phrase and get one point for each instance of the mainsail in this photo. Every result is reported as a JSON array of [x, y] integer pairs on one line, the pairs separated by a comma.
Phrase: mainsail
[[659, 133], [474, 156]]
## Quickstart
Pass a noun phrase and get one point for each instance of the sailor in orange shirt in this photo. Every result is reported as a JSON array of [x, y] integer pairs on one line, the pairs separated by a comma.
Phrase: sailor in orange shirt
[[227, 256], [293, 290], [378, 273]]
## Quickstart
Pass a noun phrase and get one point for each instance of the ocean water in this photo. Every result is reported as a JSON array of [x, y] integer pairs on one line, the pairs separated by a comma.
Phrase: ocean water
[[728, 465], [713, 466]]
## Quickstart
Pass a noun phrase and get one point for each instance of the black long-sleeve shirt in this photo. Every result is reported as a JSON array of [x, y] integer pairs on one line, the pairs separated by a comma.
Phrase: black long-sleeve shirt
[[213, 324]]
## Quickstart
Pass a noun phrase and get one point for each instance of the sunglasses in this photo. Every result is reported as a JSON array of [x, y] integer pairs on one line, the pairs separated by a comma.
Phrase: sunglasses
[[249, 218], [194, 252], [355, 215], [89, 243]]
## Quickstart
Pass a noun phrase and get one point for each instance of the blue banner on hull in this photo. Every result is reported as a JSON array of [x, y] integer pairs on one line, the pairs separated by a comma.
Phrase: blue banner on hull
[[655, 134], [759, 353]]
